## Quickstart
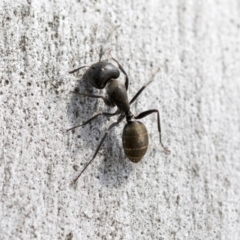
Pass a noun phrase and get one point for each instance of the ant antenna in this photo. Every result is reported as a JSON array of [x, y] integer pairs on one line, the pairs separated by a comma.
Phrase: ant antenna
[[103, 52], [77, 69], [121, 68]]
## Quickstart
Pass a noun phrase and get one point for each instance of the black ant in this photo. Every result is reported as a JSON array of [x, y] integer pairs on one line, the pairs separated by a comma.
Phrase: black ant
[[135, 136]]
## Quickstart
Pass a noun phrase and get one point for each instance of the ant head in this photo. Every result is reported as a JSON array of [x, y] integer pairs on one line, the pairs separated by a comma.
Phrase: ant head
[[100, 73]]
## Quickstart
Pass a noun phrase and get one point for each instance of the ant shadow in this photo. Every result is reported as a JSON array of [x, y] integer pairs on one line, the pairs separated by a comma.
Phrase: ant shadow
[[114, 169]]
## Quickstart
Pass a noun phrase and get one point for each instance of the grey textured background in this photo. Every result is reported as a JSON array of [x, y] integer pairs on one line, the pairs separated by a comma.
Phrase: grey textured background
[[193, 193]]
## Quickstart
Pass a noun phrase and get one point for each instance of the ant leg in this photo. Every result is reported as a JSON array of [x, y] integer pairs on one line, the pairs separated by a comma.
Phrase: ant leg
[[143, 87], [139, 92], [95, 116], [100, 144], [106, 101], [146, 113], [123, 71]]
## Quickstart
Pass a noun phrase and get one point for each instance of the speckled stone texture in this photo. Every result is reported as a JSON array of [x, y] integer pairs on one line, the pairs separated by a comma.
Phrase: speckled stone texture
[[193, 193]]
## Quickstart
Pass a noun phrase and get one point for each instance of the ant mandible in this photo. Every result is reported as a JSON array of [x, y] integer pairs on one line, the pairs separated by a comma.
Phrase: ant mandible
[[135, 136]]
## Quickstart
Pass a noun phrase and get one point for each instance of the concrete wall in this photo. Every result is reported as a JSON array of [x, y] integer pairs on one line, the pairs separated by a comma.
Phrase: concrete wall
[[193, 193]]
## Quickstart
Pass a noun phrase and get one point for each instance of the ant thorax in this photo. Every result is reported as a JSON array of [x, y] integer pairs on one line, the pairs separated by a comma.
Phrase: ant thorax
[[116, 93]]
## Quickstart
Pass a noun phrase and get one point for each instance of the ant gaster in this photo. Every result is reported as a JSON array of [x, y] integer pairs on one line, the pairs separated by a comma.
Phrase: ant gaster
[[135, 136]]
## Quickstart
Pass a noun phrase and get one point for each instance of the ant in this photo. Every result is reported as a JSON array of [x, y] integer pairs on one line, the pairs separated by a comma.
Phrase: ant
[[135, 136]]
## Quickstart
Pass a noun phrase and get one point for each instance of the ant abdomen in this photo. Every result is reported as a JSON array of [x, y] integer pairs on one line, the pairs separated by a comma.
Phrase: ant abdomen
[[135, 140]]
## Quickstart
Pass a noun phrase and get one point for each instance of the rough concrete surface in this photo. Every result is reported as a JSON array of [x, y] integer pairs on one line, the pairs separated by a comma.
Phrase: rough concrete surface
[[192, 193]]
